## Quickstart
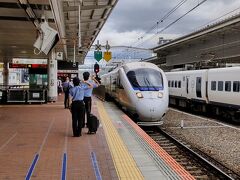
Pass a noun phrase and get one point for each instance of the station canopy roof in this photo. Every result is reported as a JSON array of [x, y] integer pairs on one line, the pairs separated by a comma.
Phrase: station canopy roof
[[20, 20], [219, 40]]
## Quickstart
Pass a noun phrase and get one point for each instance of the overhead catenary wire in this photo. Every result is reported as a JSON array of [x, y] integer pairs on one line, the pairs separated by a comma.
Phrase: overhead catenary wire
[[202, 26], [169, 25], [161, 20]]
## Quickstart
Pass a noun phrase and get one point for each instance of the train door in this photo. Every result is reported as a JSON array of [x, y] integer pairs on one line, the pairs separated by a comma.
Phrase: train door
[[110, 85], [199, 87], [187, 85], [120, 90], [113, 85], [206, 88]]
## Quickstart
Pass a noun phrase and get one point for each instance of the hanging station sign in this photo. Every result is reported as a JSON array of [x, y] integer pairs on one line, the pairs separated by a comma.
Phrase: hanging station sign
[[107, 56], [98, 55]]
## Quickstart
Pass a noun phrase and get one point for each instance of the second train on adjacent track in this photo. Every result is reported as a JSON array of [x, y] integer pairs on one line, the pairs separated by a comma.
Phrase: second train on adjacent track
[[215, 91]]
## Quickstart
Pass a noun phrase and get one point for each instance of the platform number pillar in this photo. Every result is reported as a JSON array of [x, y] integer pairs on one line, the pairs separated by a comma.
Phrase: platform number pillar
[[52, 77]]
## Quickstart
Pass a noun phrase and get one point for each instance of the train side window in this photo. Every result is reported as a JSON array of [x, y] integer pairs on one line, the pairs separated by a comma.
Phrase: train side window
[[228, 86], [198, 87], [172, 83], [213, 85], [175, 84], [179, 84], [169, 83], [236, 86], [220, 85]]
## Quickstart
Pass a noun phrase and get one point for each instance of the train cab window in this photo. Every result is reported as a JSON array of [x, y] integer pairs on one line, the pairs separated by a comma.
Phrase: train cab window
[[172, 83], [236, 86], [145, 79], [220, 85], [175, 84], [227, 85], [179, 84], [213, 85]]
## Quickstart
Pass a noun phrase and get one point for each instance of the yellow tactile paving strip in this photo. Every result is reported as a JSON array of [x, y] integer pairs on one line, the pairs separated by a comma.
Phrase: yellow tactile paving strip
[[124, 163]]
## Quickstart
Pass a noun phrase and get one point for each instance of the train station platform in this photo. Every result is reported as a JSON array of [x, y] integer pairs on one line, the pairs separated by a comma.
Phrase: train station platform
[[36, 142]]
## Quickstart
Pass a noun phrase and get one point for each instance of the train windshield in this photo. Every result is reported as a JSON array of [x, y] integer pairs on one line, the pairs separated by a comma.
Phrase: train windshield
[[146, 79]]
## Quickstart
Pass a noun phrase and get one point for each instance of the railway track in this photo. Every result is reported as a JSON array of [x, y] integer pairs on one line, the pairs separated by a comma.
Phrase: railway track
[[194, 161], [209, 115]]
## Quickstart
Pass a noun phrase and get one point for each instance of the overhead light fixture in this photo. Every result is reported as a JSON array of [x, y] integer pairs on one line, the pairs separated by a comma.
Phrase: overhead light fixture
[[36, 23], [30, 12], [23, 1], [24, 52]]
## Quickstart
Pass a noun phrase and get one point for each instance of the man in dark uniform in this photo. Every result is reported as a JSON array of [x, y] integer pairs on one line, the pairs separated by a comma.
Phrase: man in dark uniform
[[66, 87], [88, 94], [78, 108]]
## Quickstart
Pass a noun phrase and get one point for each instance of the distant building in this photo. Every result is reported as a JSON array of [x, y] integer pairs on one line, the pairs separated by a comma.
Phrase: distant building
[[163, 41]]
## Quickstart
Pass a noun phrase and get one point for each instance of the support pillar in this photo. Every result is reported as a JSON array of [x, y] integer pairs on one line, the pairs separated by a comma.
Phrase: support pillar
[[52, 77]]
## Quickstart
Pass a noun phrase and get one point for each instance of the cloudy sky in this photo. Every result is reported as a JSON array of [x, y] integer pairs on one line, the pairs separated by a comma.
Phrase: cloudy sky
[[131, 19]]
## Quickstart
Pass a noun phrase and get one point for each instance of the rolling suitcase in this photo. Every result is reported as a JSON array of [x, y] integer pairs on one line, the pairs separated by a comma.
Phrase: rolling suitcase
[[93, 124]]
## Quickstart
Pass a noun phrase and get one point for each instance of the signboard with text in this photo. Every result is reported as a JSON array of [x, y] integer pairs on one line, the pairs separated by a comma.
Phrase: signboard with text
[[64, 65], [98, 55]]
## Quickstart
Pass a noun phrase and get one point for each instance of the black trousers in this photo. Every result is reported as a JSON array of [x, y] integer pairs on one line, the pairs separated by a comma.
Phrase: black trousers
[[66, 99], [78, 117], [88, 107], [59, 90]]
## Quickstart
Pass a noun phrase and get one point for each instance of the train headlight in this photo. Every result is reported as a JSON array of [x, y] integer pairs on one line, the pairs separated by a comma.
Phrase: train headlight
[[139, 95], [160, 94]]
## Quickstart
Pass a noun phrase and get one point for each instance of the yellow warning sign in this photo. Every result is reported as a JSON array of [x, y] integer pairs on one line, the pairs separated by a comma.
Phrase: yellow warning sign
[[107, 56]]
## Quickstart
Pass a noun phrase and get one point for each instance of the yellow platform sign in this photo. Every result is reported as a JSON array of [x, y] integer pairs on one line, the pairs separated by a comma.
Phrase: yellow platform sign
[[107, 56]]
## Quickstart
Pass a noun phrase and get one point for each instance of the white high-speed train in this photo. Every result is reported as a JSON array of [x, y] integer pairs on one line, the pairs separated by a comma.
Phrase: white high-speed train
[[141, 88], [209, 90]]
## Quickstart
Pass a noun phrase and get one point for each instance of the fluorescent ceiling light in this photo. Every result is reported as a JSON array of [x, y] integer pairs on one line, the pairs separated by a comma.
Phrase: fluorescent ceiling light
[[23, 1], [30, 12], [24, 52]]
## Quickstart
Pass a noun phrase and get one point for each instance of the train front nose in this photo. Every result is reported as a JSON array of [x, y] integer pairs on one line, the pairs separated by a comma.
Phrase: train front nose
[[151, 109]]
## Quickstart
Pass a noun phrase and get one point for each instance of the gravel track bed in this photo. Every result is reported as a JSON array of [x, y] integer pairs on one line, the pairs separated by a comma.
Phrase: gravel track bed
[[216, 140]]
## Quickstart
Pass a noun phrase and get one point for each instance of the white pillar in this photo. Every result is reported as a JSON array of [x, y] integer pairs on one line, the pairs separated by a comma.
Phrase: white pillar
[[52, 77]]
